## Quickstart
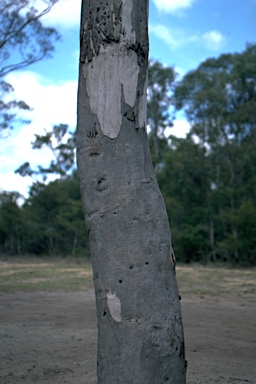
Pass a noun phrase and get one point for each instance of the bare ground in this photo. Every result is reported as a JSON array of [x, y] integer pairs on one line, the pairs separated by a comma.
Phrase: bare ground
[[51, 337]]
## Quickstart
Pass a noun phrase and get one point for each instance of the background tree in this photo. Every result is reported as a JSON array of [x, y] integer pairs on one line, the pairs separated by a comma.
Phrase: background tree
[[9, 109], [219, 100], [54, 219], [159, 104], [140, 333], [49, 222], [23, 41], [52, 214], [11, 223], [61, 142]]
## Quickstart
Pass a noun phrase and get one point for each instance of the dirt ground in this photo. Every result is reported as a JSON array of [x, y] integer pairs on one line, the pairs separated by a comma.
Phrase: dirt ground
[[51, 337]]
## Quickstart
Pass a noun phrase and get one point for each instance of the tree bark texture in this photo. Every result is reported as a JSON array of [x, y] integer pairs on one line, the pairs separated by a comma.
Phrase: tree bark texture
[[140, 332]]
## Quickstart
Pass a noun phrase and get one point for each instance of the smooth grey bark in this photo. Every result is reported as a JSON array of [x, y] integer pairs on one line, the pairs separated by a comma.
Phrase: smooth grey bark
[[140, 332]]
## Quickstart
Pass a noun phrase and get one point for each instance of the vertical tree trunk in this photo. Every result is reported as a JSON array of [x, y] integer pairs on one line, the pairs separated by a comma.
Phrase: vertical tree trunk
[[140, 333]]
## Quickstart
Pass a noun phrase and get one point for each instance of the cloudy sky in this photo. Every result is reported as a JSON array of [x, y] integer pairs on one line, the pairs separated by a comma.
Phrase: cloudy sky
[[182, 34]]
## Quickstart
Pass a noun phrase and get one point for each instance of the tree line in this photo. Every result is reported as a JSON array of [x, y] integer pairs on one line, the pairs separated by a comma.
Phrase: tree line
[[208, 179]]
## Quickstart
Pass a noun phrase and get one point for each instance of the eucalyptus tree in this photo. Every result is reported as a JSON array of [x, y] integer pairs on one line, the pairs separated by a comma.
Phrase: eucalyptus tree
[[140, 332], [24, 40], [61, 142], [159, 104]]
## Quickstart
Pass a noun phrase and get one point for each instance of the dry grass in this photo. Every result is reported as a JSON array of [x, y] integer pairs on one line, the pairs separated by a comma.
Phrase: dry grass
[[214, 281], [51, 274], [71, 274]]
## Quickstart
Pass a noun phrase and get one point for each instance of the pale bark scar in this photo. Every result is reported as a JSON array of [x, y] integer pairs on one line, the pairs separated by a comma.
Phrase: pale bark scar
[[114, 306]]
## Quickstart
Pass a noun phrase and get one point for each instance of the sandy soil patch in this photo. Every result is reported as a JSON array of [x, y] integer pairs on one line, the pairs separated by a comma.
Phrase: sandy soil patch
[[51, 337]]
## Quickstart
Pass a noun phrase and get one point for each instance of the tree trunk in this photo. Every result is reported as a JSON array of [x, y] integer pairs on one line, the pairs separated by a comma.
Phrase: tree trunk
[[140, 332]]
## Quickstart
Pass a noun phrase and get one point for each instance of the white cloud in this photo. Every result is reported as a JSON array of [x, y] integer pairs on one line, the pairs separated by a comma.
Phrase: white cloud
[[165, 34], [172, 5], [11, 182], [213, 40], [52, 104], [65, 14], [174, 38]]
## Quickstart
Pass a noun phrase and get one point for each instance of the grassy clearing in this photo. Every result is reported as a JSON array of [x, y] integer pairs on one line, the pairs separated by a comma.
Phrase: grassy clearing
[[216, 282], [45, 274], [72, 274]]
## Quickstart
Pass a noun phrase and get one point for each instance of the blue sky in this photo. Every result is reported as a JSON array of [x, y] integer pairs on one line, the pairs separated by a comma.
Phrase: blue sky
[[182, 34]]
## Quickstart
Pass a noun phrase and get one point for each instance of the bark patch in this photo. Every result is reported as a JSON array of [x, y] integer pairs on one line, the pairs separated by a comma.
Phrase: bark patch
[[111, 70], [114, 306]]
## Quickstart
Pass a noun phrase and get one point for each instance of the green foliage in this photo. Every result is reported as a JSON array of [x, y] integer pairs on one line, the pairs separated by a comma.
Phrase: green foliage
[[49, 222], [11, 223], [159, 98], [55, 219], [184, 181], [219, 100]]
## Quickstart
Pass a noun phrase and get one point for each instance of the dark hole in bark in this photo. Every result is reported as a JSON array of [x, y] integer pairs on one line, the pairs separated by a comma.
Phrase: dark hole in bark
[[131, 267], [104, 313], [101, 180], [120, 281], [94, 154], [146, 263]]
